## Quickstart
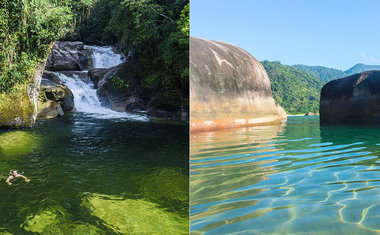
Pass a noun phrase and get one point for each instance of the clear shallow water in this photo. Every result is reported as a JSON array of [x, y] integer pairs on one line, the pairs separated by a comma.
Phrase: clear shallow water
[[91, 175], [297, 178]]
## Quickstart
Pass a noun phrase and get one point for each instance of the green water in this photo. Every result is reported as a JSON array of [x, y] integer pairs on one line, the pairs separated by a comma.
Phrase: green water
[[90, 175], [299, 178]]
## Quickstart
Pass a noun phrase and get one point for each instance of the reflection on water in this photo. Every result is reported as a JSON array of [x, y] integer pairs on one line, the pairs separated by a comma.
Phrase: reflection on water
[[286, 179], [81, 166]]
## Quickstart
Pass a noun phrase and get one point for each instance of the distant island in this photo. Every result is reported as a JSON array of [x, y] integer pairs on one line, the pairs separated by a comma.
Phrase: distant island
[[297, 87]]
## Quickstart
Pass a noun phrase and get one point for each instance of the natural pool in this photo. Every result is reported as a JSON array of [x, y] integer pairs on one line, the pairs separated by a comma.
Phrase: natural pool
[[296, 178], [91, 174]]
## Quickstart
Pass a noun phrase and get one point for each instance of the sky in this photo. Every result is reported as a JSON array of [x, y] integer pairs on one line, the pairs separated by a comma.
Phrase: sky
[[332, 33]]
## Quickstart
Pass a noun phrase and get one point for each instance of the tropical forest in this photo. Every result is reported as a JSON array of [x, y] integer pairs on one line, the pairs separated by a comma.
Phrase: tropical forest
[[94, 111]]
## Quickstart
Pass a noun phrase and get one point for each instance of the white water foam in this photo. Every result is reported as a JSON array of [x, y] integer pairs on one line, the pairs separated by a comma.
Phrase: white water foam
[[105, 57], [87, 101]]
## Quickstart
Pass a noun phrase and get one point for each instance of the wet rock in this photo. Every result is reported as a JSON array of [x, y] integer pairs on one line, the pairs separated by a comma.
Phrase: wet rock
[[353, 99], [83, 75], [138, 105], [55, 221], [167, 185], [228, 88], [55, 99], [96, 75], [119, 87], [163, 106], [134, 216], [16, 143], [50, 75], [67, 56]]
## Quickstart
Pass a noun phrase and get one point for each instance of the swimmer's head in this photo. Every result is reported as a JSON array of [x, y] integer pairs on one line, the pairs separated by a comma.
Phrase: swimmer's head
[[14, 172]]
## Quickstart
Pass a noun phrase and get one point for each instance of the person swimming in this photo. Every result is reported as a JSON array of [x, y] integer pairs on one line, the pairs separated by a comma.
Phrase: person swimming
[[15, 175]]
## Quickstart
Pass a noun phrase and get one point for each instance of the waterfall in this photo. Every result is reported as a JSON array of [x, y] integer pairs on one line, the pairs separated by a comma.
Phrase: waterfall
[[86, 99], [105, 57]]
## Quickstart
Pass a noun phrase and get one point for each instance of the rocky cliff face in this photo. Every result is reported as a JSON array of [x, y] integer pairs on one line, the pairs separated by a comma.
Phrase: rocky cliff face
[[353, 99], [19, 108], [228, 88]]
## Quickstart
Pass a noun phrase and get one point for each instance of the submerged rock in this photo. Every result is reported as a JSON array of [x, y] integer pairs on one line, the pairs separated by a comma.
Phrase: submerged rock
[[134, 216], [54, 221], [16, 143], [167, 185], [96, 75], [228, 88], [353, 99], [66, 56], [55, 99]]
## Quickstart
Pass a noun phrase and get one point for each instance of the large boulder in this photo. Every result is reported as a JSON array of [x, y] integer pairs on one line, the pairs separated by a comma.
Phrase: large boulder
[[55, 99], [353, 99], [67, 56], [96, 75], [119, 87], [228, 88]]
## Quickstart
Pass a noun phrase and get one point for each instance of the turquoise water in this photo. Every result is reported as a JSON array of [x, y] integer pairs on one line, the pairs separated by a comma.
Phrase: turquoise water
[[296, 178], [94, 175]]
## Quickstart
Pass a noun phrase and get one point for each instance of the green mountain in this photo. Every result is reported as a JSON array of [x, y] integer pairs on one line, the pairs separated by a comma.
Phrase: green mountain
[[294, 89], [358, 68], [323, 73], [327, 74]]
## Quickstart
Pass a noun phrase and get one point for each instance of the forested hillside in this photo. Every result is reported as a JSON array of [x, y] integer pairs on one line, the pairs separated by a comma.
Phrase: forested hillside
[[325, 74], [27, 28], [295, 90], [156, 31], [358, 68]]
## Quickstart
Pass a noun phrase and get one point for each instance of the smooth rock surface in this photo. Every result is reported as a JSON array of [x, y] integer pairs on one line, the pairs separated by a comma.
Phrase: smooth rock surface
[[67, 56], [228, 88], [55, 99], [353, 99]]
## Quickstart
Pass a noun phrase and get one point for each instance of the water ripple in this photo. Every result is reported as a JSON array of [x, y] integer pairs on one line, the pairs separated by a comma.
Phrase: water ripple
[[298, 178]]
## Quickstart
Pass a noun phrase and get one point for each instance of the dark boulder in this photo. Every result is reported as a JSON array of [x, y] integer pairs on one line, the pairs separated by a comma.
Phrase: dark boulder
[[50, 75], [67, 56], [353, 99], [96, 75], [119, 87]]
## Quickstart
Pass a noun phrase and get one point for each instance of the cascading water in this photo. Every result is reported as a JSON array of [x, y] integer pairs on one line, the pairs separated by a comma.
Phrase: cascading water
[[105, 57], [86, 99]]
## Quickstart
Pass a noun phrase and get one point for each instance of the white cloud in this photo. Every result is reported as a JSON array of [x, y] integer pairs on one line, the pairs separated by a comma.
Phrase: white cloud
[[368, 59]]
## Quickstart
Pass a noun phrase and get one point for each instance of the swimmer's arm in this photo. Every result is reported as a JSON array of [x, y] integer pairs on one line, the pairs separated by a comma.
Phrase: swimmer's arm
[[8, 181], [25, 178]]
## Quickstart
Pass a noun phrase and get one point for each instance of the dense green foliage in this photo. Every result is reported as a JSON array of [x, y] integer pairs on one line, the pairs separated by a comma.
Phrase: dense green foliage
[[27, 28], [295, 90], [325, 74], [157, 32], [118, 82]]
